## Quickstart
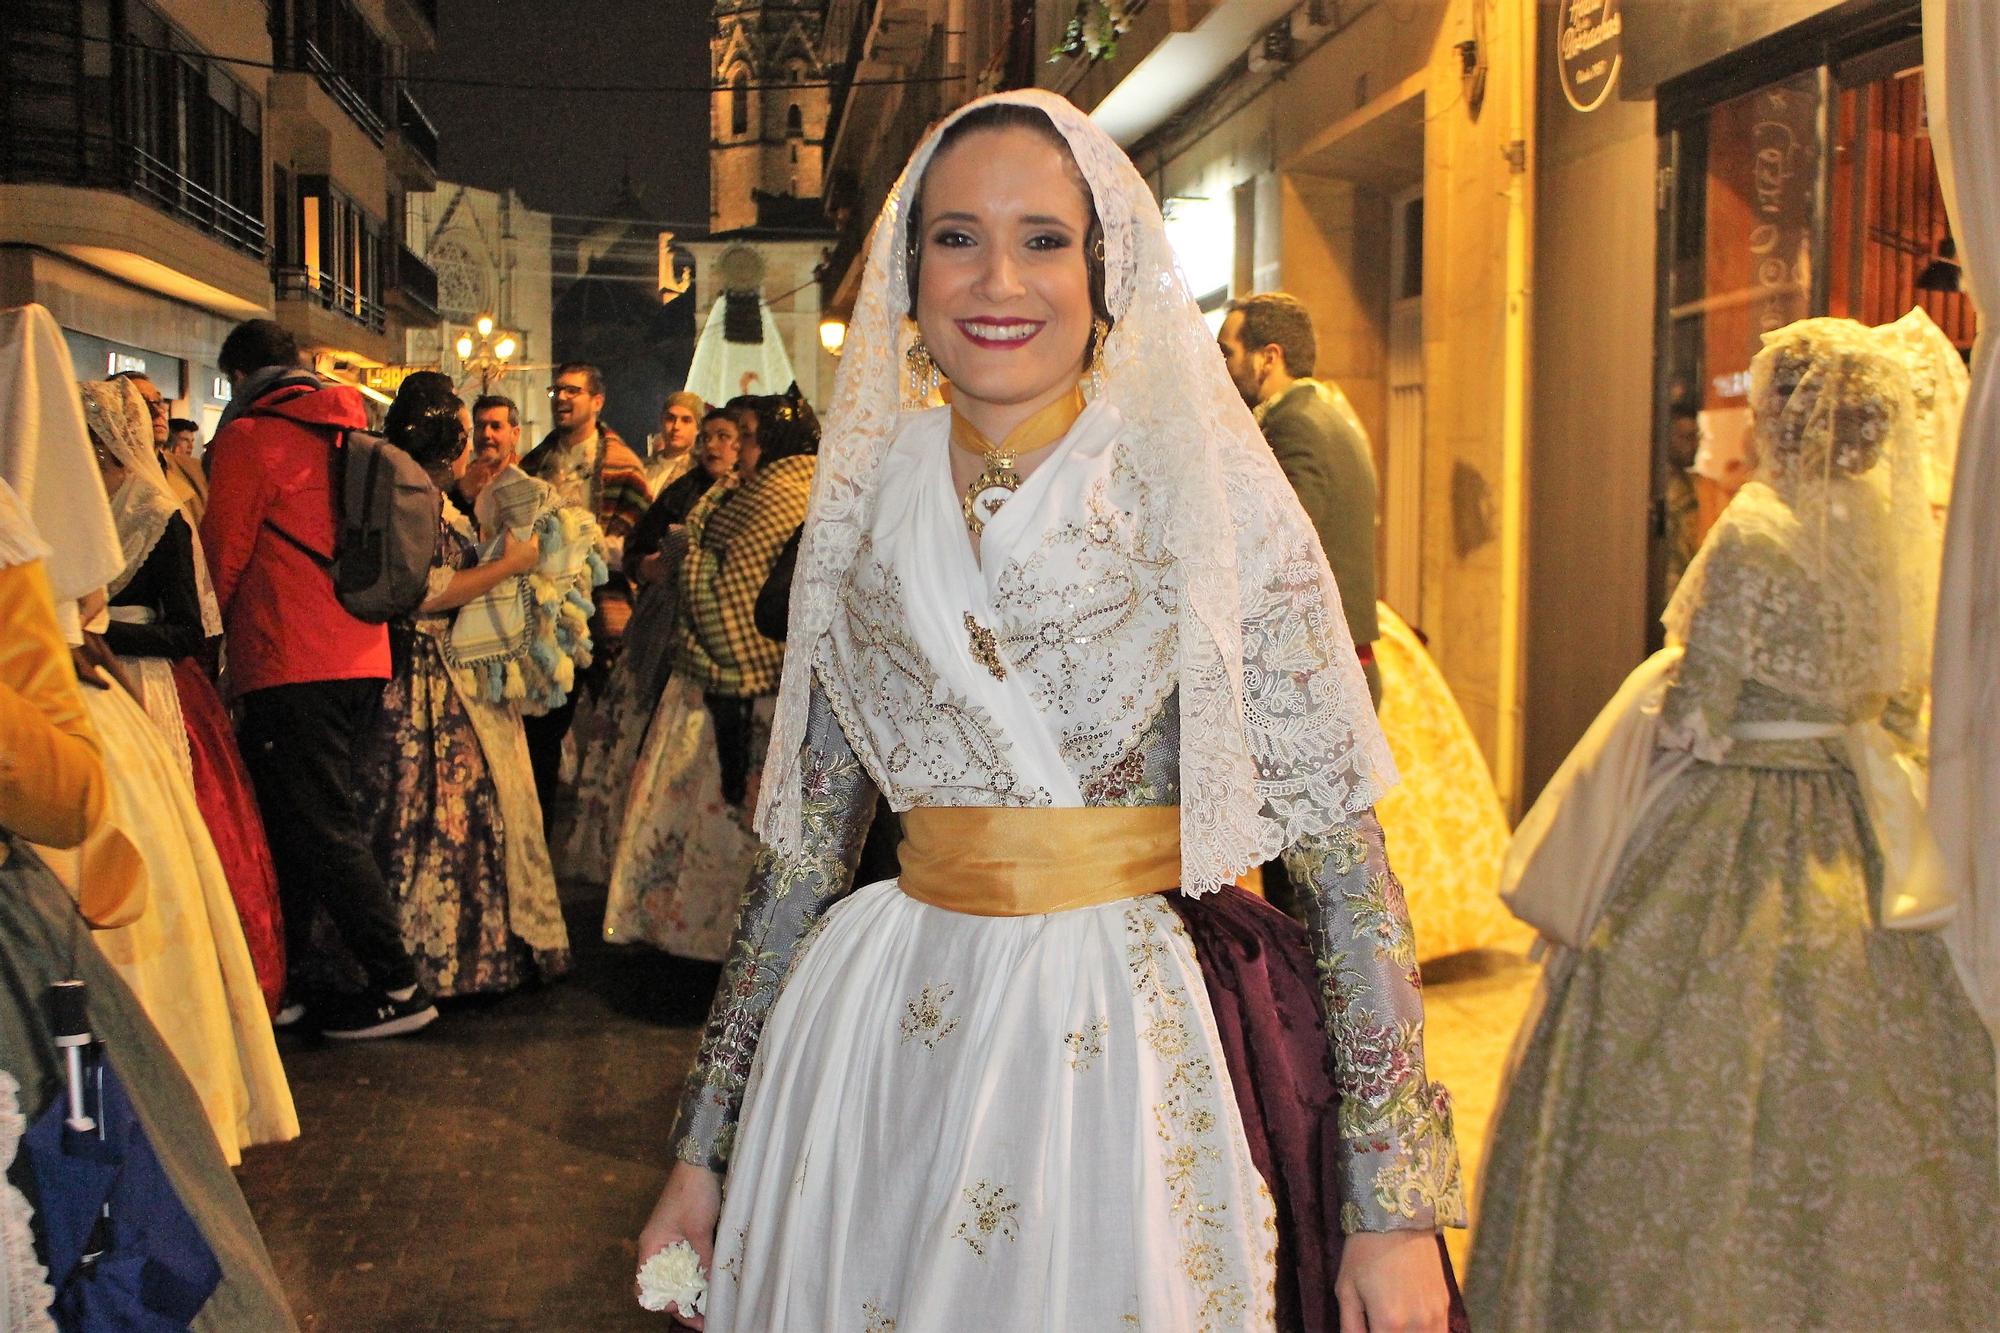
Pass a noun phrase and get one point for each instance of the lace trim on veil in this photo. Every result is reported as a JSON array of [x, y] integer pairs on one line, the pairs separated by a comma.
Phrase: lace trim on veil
[[25, 1295], [1278, 738]]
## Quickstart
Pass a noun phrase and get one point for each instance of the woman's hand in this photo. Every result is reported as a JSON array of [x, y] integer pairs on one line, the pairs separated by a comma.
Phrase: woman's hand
[[97, 665], [688, 1209], [1392, 1282], [518, 555]]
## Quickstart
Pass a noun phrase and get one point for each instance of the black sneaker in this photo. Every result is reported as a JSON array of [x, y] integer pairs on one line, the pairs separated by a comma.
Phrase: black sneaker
[[375, 1014]]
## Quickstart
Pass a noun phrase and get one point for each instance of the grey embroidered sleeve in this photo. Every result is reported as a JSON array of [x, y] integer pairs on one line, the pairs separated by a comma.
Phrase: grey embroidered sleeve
[[1399, 1158], [783, 907]]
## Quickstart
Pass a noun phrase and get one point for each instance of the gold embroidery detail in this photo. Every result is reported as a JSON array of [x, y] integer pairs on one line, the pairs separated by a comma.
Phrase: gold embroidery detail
[[985, 648], [1085, 1046], [1186, 1119], [733, 1267], [923, 1017], [992, 1216]]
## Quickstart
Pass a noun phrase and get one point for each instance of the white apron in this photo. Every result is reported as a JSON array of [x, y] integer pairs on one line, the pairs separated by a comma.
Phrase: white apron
[[959, 1121]]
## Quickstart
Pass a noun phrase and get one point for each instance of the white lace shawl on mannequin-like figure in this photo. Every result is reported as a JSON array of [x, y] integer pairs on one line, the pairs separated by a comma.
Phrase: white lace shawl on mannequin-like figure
[[1839, 496], [1278, 739]]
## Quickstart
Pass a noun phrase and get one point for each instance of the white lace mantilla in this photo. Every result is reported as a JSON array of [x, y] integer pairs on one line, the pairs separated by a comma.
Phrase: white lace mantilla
[[1216, 587]]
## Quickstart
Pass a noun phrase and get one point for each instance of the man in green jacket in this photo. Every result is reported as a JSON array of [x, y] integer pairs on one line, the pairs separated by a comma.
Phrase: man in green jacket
[[1267, 341]]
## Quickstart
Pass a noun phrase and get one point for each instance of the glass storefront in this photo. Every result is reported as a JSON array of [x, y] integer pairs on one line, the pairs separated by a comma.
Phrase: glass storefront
[[1812, 194]]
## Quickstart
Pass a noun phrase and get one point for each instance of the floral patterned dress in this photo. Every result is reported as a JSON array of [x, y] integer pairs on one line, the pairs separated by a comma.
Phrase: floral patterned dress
[[1066, 1081], [1743, 1102], [440, 827]]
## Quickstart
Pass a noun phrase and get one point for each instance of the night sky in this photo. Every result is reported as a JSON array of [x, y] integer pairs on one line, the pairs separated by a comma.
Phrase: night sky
[[565, 152]]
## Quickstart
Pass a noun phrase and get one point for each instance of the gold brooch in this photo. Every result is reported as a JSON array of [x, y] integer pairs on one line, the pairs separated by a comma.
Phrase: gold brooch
[[985, 648]]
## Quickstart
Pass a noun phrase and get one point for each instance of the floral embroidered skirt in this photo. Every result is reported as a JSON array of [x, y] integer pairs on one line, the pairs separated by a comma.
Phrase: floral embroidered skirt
[[440, 834], [1446, 831], [608, 734], [1741, 1104], [684, 850], [961, 1122]]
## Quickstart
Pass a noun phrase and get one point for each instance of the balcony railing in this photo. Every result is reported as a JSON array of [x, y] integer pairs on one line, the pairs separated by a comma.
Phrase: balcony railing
[[77, 157], [351, 99], [304, 284], [416, 282], [185, 199], [416, 128]]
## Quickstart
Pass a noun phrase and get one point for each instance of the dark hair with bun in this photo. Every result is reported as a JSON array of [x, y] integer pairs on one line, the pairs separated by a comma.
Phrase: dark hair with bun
[[423, 421]]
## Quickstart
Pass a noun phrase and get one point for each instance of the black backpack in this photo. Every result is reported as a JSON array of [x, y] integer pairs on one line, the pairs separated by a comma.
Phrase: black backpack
[[385, 528]]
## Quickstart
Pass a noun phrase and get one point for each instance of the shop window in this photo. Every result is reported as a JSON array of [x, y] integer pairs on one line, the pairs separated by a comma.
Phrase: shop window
[[1890, 242], [1815, 194]]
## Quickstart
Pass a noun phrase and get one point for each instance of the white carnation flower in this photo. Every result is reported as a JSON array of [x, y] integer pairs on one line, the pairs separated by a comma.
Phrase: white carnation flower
[[673, 1276]]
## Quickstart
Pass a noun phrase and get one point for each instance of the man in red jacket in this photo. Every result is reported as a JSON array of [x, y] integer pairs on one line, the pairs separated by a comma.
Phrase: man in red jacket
[[308, 675]]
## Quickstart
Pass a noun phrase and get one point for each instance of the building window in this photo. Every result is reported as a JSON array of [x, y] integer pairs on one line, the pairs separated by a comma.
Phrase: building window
[[333, 41], [108, 94], [333, 250], [795, 121], [739, 102]]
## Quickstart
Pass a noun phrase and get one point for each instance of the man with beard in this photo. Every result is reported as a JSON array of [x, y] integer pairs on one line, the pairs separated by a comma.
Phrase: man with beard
[[1267, 342], [593, 469]]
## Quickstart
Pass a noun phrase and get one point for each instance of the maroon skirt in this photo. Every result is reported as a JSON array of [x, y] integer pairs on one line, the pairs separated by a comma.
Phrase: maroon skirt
[[1258, 967], [229, 807]]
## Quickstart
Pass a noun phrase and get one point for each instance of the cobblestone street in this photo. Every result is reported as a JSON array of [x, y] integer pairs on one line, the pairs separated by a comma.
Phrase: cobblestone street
[[492, 1172]]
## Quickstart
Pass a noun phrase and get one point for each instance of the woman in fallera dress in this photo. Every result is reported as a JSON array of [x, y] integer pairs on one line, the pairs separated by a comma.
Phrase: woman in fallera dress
[[1751, 1092], [163, 621], [458, 830], [1061, 1073]]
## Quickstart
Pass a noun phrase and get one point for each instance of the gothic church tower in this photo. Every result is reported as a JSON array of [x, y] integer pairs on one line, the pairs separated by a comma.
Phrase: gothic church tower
[[766, 136]]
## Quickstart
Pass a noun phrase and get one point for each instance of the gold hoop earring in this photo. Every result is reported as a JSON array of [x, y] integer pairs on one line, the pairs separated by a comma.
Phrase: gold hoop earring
[[1100, 333], [1097, 249], [920, 375]]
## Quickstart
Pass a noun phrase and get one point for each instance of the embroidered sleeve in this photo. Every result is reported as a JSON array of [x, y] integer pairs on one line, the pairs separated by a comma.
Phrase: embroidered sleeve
[[787, 899], [1399, 1157], [1700, 704]]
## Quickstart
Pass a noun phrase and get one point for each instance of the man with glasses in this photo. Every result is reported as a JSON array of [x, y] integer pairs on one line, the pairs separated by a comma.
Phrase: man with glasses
[[593, 469], [185, 476]]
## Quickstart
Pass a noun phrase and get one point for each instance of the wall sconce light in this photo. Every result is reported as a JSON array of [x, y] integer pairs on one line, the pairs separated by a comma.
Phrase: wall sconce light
[[833, 335]]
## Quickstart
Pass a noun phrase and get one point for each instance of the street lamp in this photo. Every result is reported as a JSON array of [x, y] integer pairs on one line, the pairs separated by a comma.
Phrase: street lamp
[[833, 335], [486, 349]]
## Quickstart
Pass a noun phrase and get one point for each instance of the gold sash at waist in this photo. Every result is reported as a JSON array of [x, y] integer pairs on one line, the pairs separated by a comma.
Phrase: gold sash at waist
[[1016, 861]]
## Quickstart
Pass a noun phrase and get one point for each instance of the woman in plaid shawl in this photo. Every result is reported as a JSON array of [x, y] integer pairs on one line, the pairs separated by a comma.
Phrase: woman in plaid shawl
[[686, 846]]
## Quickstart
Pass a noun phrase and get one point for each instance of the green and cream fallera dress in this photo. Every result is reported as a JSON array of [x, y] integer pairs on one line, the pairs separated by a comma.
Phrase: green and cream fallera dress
[[1751, 1098]]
